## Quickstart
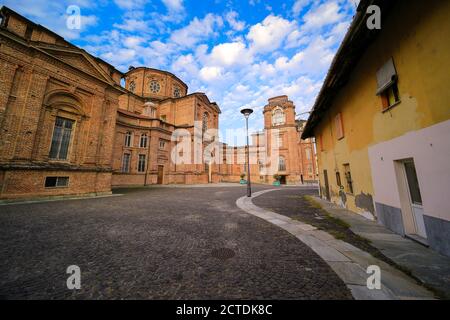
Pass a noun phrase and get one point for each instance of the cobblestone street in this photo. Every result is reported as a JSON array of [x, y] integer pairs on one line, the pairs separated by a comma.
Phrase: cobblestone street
[[157, 243]]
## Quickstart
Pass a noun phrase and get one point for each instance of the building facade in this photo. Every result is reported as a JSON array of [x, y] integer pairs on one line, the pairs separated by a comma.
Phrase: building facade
[[58, 108], [71, 124], [382, 121]]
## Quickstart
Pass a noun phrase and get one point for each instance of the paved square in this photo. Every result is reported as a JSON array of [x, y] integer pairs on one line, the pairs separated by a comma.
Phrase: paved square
[[157, 243]]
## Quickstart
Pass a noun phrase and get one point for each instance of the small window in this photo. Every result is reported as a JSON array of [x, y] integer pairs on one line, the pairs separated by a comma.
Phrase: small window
[[141, 163], [132, 86], [281, 164], [348, 178], [128, 139], [390, 96], [162, 144], [177, 92], [56, 182], [387, 87], [339, 126], [126, 163], [338, 179], [144, 140], [62, 133]]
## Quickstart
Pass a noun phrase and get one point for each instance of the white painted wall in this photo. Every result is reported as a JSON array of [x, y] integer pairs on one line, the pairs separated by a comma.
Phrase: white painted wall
[[430, 149]]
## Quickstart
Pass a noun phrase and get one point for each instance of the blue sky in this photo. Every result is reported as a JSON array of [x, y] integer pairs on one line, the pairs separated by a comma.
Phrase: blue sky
[[240, 53]]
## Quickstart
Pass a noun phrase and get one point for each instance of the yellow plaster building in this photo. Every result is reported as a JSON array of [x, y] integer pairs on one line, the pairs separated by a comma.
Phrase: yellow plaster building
[[381, 121]]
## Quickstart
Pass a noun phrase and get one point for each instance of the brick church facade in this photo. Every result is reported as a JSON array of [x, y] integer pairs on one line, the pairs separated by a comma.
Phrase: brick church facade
[[68, 126]]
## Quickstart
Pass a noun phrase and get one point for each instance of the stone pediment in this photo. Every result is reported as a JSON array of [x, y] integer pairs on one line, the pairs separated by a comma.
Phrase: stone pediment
[[79, 60]]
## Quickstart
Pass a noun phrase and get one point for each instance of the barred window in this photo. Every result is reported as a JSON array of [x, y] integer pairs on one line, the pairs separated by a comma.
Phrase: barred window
[[128, 139], [126, 163], [141, 163], [162, 144], [54, 182], [61, 138], [144, 140]]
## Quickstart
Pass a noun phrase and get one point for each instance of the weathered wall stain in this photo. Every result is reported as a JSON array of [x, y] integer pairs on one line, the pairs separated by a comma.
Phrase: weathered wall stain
[[365, 201]]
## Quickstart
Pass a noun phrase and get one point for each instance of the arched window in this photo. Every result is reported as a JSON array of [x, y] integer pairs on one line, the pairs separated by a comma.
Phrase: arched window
[[278, 117], [281, 164], [205, 122], [68, 112], [143, 142], [128, 139]]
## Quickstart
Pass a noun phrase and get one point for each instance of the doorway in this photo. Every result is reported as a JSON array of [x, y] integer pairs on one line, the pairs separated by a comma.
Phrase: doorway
[[160, 174], [283, 180], [327, 186], [414, 197]]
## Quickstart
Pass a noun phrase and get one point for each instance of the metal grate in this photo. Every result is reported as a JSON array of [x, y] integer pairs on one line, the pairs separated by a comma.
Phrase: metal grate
[[223, 253]]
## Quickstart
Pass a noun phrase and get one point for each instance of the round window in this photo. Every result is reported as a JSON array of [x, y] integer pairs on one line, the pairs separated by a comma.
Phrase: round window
[[155, 86]]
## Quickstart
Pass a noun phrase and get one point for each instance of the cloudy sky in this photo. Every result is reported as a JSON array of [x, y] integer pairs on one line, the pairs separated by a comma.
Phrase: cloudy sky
[[239, 52]]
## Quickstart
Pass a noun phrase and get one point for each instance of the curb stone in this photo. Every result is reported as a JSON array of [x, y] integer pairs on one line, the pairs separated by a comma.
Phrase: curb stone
[[347, 261]]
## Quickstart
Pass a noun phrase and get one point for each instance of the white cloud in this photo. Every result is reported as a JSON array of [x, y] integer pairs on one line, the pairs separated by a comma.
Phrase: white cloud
[[197, 30], [130, 4], [270, 34], [229, 54], [325, 14], [231, 18], [210, 73], [174, 5], [299, 5]]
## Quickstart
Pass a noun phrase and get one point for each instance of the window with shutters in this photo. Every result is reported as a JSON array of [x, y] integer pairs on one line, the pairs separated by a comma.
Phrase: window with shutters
[[339, 126], [62, 134], [387, 82]]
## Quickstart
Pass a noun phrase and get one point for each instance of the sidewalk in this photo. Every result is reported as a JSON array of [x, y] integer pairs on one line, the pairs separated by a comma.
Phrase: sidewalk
[[430, 267], [348, 262]]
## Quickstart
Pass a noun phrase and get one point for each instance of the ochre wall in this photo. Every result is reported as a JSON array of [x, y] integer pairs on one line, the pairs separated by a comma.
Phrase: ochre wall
[[415, 37]]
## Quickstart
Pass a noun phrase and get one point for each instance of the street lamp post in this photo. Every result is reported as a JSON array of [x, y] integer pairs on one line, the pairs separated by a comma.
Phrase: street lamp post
[[247, 112]]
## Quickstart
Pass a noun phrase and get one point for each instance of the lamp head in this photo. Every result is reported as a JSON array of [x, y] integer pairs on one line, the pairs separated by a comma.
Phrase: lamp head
[[246, 112]]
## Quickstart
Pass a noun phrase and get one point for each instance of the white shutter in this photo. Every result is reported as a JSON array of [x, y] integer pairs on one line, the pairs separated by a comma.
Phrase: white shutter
[[386, 76]]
